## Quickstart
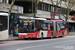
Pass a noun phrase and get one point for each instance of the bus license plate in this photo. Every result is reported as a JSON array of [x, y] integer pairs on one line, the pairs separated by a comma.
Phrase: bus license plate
[[26, 37]]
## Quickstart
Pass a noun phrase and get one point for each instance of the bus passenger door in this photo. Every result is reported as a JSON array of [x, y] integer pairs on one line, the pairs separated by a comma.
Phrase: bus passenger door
[[58, 29]]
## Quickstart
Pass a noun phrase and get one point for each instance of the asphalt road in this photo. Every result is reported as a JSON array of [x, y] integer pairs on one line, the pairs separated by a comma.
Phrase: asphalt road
[[66, 43]]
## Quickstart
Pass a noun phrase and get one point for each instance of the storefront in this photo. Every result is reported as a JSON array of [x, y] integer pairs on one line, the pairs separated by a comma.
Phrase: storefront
[[72, 24], [57, 16]]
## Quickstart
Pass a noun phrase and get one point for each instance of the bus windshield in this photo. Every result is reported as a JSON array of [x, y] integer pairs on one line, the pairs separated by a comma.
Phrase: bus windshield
[[27, 26], [3, 23]]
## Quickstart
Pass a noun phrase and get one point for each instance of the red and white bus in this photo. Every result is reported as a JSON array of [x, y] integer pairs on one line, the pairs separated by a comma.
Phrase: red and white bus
[[39, 28]]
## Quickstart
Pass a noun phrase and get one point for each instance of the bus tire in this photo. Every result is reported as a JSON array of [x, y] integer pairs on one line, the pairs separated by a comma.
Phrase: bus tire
[[41, 35], [62, 34], [52, 36]]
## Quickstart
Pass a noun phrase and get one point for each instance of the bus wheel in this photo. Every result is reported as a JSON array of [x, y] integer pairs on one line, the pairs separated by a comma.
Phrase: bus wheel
[[41, 35], [62, 34], [51, 35]]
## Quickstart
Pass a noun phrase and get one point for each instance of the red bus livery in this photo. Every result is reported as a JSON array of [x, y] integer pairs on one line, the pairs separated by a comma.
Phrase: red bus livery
[[38, 28]]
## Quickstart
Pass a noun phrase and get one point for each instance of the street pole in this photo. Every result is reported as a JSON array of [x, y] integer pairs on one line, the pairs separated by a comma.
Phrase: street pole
[[68, 16], [32, 8], [9, 12]]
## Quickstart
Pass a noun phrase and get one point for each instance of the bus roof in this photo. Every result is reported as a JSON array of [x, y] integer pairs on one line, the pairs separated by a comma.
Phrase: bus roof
[[24, 17], [47, 21], [3, 14], [39, 18]]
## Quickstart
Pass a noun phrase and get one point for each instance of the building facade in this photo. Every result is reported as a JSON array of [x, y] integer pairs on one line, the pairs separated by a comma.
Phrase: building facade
[[5, 6], [46, 9]]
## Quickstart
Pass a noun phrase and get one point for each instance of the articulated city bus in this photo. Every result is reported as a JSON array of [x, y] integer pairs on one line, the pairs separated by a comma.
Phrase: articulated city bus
[[39, 28], [3, 26]]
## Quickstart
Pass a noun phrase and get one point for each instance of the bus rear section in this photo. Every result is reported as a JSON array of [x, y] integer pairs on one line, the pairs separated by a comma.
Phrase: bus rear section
[[33, 28], [3, 26], [59, 28]]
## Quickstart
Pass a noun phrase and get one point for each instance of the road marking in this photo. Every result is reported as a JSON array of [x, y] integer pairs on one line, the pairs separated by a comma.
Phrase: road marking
[[34, 41], [44, 45]]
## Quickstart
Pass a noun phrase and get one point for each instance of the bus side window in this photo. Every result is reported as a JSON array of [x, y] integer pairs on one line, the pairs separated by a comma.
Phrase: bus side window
[[39, 25], [51, 26], [45, 26], [62, 27]]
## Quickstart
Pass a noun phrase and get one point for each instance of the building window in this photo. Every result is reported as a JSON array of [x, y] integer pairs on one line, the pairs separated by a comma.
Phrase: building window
[[63, 11], [58, 10], [44, 7], [4, 1], [49, 8], [52, 9], [39, 6]]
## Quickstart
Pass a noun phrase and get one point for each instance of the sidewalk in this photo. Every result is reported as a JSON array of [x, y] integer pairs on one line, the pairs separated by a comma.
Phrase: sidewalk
[[11, 37], [71, 34]]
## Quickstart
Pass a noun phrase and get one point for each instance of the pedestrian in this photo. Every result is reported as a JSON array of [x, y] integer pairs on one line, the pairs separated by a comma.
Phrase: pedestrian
[[16, 29]]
